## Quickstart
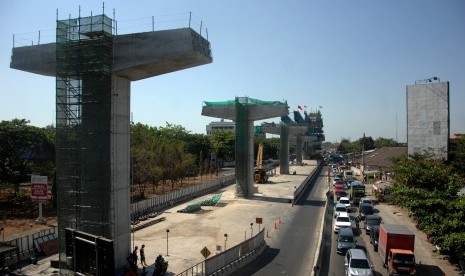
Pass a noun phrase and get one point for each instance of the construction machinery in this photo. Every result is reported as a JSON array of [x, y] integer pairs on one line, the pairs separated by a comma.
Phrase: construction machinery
[[260, 171]]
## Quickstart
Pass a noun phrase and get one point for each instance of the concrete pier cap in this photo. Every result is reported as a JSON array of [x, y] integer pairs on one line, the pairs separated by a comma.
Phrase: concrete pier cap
[[244, 111]]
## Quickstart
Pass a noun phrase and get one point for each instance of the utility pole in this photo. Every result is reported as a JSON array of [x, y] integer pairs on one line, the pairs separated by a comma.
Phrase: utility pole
[[363, 157]]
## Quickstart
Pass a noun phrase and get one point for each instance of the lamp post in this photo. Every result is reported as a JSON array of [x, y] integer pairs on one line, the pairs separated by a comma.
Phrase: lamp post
[[251, 229], [167, 231], [225, 239]]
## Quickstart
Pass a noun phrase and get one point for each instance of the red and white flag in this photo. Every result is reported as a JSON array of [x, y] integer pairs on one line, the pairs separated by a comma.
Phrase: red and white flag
[[299, 107]]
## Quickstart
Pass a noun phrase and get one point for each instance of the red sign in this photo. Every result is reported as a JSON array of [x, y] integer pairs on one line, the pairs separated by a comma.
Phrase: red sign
[[39, 188]]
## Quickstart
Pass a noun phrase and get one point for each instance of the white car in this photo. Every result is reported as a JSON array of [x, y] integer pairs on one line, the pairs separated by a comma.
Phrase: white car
[[365, 200], [345, 201], [341, 221]]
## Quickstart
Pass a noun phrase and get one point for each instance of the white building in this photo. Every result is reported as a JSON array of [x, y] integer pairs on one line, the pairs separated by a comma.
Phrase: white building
[[220, 126]]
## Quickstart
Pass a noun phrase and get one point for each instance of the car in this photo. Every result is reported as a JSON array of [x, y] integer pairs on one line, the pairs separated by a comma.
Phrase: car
[[365, 200], [345, 240], [342, 221], [339, 185], [356, 263], [345, 200], [337, 180], [370, 221], [340, 193], [338, 208], [365, 209], [374, 237], [349, 182]]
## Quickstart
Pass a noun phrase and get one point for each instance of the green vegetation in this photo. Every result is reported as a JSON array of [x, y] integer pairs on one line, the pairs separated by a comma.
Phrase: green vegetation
[[367, 143], [429, 190]]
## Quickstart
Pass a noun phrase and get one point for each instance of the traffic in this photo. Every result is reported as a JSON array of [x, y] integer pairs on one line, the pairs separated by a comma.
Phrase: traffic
[[360, 235]]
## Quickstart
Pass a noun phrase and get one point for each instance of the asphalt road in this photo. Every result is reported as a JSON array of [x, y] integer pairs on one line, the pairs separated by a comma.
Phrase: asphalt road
[[292, 249]]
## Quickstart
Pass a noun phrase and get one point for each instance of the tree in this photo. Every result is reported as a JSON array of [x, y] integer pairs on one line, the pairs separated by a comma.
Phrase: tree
[[25, 150], [366, 143], [457, 155], [428, 188], [385, 142], [223, 144]]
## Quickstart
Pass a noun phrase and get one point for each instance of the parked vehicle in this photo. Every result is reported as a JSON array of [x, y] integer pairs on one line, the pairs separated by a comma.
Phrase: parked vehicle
[[345, 240], [396, 248], [370, 222], [356, 263], [341, 221], [357, 191], [364, 210], [374, 237]]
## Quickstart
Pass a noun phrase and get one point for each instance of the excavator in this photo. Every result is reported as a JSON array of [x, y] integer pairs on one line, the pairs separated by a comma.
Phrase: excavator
[[260, 171]]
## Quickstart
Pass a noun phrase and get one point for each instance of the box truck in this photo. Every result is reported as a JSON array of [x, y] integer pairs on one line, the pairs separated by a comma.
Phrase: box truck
[[396, 246]]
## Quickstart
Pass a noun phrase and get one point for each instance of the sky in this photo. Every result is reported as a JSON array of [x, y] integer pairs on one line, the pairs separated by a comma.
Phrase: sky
[[352, 58]]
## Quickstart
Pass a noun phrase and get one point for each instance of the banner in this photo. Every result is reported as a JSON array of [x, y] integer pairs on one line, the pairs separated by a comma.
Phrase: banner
[[39, 185]]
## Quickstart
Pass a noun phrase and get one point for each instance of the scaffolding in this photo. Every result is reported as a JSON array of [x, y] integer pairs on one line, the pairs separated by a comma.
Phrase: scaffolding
[[84, 57]]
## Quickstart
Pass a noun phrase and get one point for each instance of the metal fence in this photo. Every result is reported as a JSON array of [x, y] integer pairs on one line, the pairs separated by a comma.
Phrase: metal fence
[[160, 202], [28, 246], [229, 260]]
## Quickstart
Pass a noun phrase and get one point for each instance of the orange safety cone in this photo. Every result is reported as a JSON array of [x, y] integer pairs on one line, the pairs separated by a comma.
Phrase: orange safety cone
[[275, 226]]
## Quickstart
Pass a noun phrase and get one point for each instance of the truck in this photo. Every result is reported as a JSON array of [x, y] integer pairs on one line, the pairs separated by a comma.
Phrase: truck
[[396, 246], [357, 191]]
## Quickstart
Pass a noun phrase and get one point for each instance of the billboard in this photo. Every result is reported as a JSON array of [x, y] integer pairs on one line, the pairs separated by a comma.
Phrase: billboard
[[428, 119], [39, 190]]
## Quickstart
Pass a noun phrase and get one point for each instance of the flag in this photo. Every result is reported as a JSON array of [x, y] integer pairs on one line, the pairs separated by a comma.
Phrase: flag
[[305, 106], [320, 106], [299, 107]]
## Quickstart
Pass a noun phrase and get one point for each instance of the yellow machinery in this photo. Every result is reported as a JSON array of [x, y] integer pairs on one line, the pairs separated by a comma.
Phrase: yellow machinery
[[260, 171]]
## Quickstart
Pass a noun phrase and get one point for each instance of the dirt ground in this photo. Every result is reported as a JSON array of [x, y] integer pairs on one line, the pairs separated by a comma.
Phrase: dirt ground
[[18, 217]]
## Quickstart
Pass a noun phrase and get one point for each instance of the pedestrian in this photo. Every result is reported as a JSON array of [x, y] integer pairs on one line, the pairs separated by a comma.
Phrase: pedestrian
[[134, 253], [142, 256], [357, 221]]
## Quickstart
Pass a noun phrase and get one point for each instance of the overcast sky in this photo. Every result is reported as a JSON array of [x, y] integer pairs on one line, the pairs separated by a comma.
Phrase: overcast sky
[[352, 58]]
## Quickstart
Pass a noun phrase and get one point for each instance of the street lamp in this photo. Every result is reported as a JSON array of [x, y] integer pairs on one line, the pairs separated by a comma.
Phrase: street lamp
[[167, 231], [225, 239], [251, 229]]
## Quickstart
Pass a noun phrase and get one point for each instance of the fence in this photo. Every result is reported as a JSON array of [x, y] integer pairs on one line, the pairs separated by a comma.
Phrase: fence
[[158, 203], [231, 259], [141, 24], [28, 246]]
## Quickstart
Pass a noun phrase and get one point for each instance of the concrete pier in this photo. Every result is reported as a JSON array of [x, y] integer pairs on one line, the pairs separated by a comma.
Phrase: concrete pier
[[134, 57], [244, 111], [285, 131]]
